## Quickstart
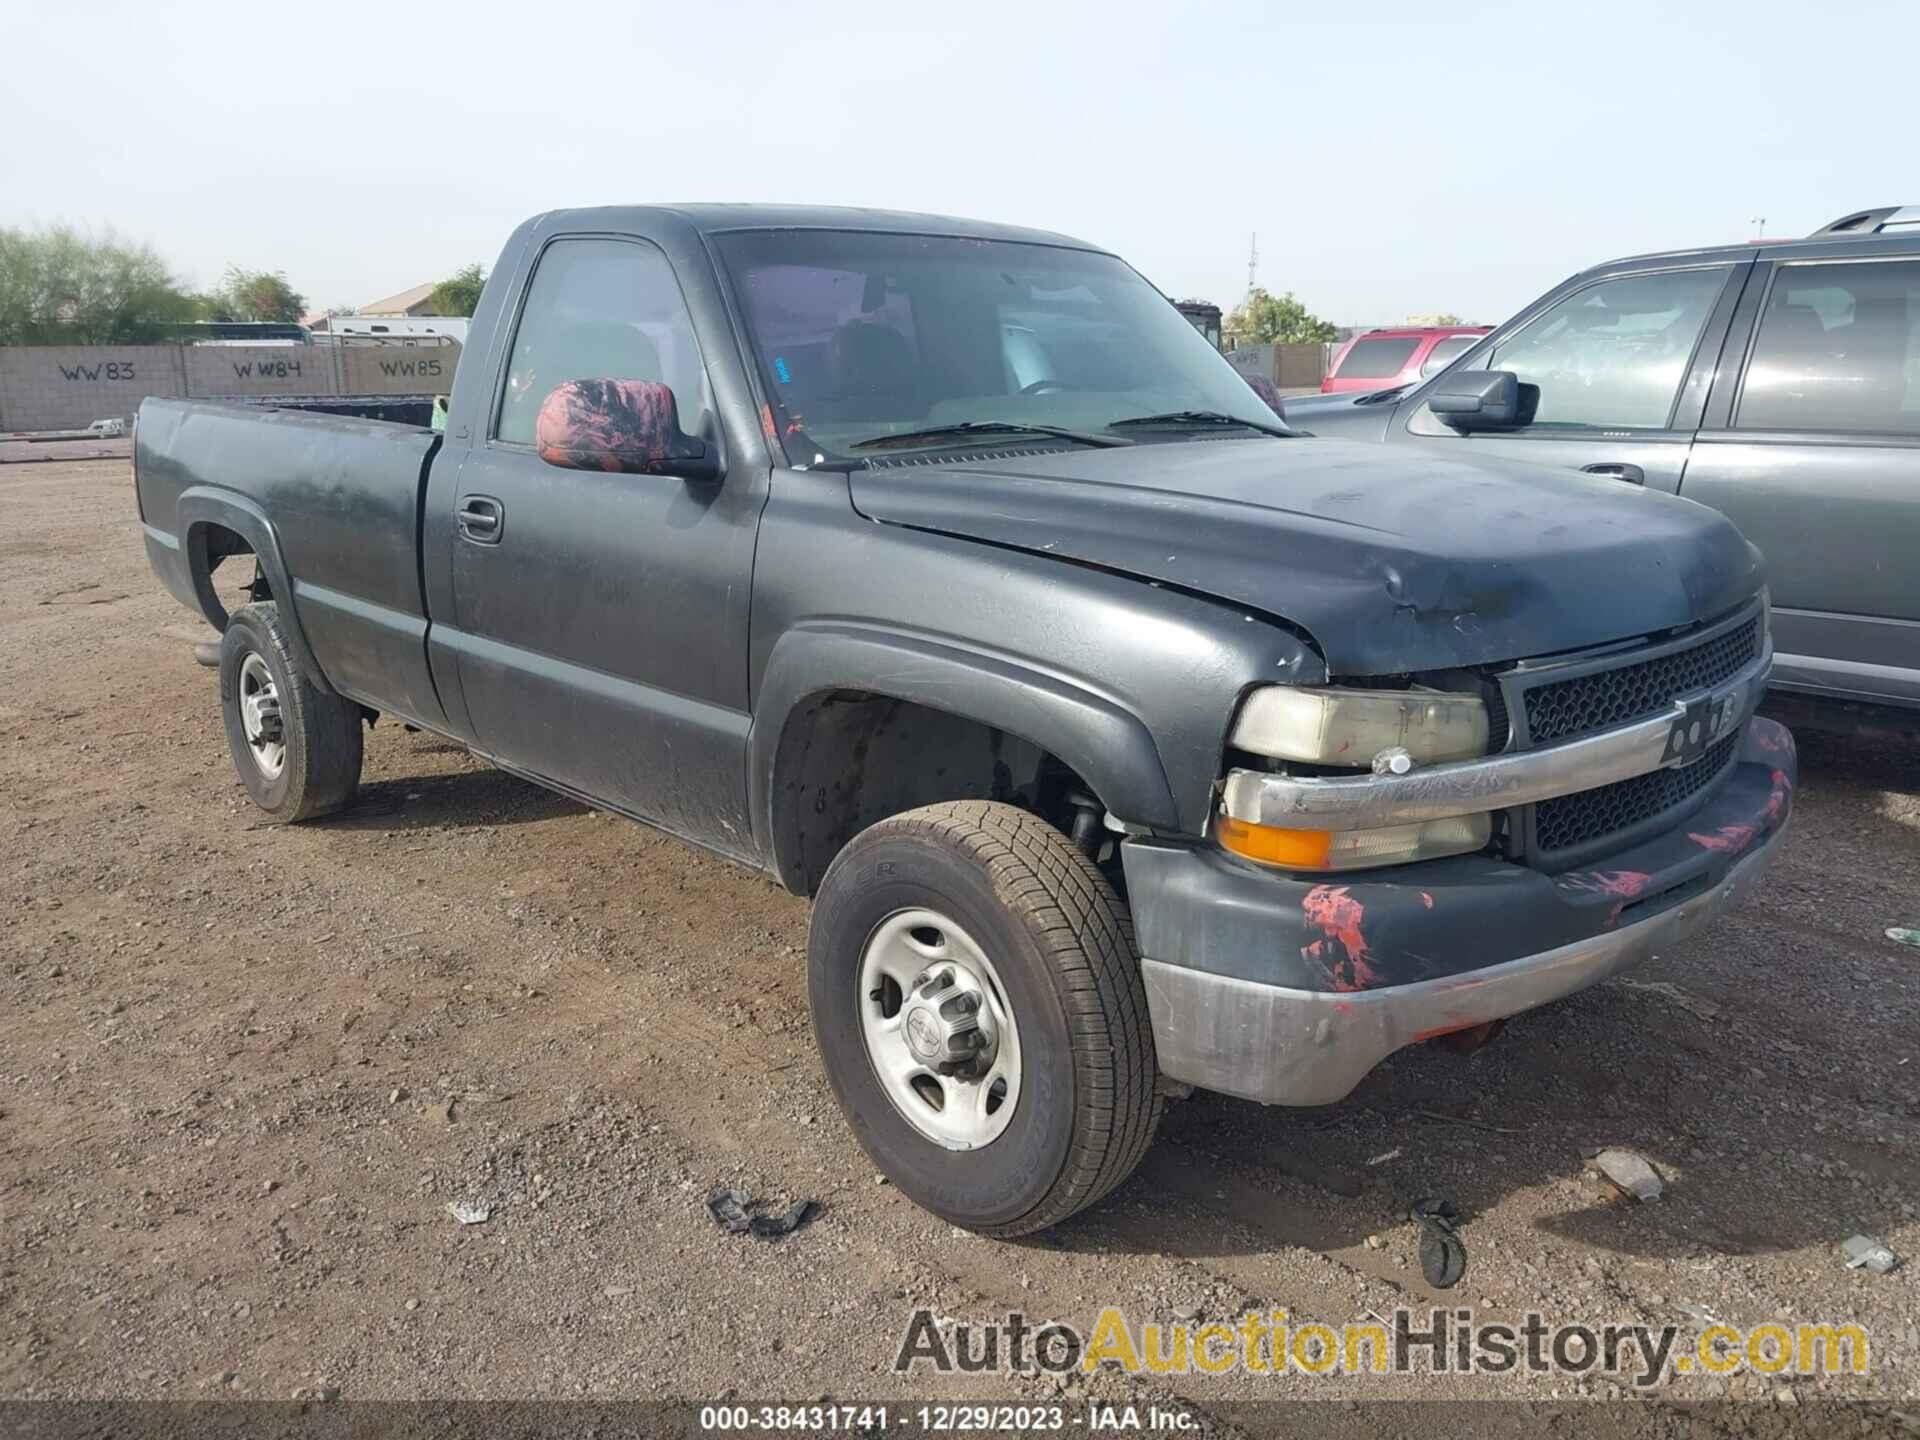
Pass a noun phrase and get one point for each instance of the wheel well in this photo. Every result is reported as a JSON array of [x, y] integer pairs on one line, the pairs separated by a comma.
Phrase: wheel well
[[208, 545], [848, 759]]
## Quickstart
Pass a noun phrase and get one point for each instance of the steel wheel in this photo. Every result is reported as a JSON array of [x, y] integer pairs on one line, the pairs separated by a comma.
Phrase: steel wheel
[[939, 1031], [260, 716]]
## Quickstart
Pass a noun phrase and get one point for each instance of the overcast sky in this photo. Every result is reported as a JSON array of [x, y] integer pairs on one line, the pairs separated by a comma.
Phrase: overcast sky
[[1436, 156]]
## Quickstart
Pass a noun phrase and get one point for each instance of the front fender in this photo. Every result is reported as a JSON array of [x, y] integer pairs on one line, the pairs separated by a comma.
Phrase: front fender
[[1110, 748], [199, 509]]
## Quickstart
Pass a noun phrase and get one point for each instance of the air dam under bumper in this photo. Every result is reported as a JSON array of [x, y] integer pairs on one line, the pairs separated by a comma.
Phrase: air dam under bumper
[[1219, 1023]]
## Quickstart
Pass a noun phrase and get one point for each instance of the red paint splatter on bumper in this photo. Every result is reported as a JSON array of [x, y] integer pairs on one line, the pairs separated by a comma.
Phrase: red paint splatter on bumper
[[1727, 840], [1342, 955]]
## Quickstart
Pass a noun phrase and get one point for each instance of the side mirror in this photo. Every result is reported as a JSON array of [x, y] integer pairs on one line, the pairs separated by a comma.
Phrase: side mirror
[[629, 427], [1484, 400]]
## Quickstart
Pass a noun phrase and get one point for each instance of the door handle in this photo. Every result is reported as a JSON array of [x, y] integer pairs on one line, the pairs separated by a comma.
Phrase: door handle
[[481, 518], [1632, 474]]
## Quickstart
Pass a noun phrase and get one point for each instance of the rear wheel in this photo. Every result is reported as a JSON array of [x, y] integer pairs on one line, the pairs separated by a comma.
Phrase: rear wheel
[[980, 1014], [297, 749]]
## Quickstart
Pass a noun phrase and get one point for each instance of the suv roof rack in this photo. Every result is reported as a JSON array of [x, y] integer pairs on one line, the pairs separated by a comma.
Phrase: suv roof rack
[[1875, 222]]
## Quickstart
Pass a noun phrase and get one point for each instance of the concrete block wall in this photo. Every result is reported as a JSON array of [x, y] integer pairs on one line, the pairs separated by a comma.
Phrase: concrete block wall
[[69, 387], [1300, 365], [396, 369], [1288, 366], [261, 370]]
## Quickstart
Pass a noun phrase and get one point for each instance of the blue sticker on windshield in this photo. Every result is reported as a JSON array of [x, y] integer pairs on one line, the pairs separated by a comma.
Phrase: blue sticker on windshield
[[780, 369]]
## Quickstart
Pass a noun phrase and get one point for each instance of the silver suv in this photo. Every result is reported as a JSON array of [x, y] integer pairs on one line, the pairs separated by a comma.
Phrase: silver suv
[[1777, 382]]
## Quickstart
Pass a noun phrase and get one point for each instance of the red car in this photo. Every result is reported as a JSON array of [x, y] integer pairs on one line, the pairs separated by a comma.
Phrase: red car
[[1405, 356]]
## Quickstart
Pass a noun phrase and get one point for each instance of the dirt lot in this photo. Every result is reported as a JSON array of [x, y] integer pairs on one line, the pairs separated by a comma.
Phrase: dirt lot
[[244, 1071], [15, 452]]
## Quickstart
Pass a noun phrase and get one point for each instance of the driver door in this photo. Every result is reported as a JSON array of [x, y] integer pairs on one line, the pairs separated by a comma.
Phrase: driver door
[[600, 620]]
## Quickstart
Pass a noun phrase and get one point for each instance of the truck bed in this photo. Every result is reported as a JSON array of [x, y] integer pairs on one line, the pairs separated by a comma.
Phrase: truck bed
[[416, 410], [340, 551]]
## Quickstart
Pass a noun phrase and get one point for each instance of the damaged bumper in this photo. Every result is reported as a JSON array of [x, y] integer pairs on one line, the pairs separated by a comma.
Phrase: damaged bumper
[[1288, 991]]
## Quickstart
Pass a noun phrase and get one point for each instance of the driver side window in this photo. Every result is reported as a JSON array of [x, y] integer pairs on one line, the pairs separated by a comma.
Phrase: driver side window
[[1614, 355], [600, 310]]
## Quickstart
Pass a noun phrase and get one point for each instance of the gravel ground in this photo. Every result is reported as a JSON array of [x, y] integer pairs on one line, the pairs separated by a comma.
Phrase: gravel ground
[[245, 1070]]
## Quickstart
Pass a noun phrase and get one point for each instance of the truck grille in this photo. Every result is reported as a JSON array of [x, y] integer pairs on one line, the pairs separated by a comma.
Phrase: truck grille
[[1620, 696], [1604, 695], [1570, 820]]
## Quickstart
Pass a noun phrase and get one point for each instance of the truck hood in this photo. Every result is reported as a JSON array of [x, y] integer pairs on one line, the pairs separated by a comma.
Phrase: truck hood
[[1392, 560]]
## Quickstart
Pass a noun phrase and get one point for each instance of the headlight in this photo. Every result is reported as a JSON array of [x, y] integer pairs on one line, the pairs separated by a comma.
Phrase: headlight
[[1349, 727]]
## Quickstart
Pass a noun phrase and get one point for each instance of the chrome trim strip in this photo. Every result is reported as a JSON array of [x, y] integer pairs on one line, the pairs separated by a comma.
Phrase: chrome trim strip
[[1282, 1046], [1553, 669], [1466, 787]]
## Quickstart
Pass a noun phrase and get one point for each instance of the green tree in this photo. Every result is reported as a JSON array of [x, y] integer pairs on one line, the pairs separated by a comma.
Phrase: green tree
[[1262, 318], [60, 287], [213, 305], [257, 295], [459, 293]]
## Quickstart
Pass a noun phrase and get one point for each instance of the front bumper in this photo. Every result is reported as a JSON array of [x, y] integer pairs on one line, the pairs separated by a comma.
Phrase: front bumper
[[1288, 992]]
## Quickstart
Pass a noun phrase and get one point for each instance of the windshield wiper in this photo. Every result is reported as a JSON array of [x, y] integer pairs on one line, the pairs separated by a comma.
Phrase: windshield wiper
[[1381, 397], [1197, 420], [967, 428]]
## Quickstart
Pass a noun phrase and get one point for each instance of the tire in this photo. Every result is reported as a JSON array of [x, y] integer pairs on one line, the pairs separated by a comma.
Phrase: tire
[[1059, 959], [320, 749]]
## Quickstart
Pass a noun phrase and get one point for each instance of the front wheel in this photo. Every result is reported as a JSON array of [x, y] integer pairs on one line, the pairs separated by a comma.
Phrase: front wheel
[[979, 1009]]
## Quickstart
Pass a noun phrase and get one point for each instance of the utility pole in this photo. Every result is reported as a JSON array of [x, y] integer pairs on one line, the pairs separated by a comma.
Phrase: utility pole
[[1253, 261]]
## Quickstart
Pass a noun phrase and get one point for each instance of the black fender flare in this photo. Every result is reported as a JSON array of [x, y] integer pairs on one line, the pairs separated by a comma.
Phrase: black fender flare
[[1107, 745], [201, 507]]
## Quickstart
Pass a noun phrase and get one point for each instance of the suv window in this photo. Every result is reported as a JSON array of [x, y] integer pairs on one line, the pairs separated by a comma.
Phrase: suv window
[[600, 310], [1838, 349], [1376, 359], [1444, 353], [1614, 353]]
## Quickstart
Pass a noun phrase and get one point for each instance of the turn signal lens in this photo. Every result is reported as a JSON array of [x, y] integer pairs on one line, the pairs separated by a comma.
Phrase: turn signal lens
[[1270, 845], [1332, 726], [1353, 849]]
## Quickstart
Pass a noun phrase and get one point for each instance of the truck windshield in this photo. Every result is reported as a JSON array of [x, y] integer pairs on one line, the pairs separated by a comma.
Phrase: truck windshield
[[860, 336]]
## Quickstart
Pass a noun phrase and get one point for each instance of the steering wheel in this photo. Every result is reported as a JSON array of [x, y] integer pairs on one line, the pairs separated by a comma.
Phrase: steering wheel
[[1041, 387]]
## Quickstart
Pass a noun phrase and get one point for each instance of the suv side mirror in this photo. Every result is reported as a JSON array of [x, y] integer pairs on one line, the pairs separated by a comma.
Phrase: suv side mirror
[[629, 427], [1484, 400]]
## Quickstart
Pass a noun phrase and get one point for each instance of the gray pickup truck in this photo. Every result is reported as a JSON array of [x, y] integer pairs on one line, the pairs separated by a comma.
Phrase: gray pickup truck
[[1126, 741]]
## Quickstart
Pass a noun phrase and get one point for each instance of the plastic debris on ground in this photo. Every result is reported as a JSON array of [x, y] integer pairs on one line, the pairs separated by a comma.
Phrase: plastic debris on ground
[[1443, 1258], [732, 1212], [1863, 1252], [1628, 1173], [470, 1212], [1904, 935]]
